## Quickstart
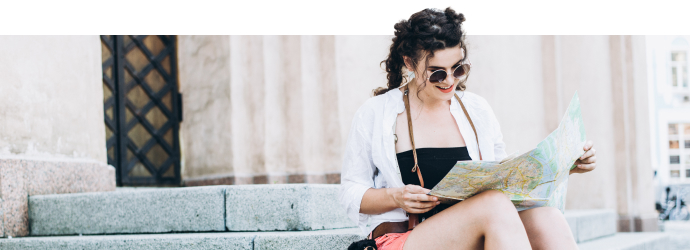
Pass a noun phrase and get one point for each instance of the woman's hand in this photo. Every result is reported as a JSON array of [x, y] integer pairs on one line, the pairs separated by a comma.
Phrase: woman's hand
[[413, 199], [587, 161]]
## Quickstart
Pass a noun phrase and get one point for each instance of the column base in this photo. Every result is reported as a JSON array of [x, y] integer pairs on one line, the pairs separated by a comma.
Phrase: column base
[[21, 178], [638, 223]]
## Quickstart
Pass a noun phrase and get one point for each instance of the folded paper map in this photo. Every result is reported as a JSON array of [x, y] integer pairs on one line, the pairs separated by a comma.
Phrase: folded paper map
[[534, 179]]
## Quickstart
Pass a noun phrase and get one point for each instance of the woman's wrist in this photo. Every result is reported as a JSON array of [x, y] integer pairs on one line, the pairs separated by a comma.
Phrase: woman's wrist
[[392, 194]]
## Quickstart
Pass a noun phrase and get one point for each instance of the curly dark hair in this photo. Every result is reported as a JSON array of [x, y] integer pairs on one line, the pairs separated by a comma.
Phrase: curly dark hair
[[425, 32]]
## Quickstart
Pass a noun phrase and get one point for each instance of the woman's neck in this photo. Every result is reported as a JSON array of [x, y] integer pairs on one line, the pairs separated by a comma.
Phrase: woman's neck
[[420, 100]]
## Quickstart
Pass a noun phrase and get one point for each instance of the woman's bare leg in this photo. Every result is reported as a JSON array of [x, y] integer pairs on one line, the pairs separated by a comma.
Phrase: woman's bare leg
[[547, 228], [488, 220]]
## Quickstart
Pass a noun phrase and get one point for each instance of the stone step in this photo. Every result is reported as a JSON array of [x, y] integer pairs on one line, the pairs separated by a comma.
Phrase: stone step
[[591, 224], [152, 210], [281, 207], [286, 207], [679, 233], [629, 241], [320, 239]]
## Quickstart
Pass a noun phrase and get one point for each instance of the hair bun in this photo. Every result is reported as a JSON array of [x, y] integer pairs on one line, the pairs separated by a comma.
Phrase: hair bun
[[456, 17]]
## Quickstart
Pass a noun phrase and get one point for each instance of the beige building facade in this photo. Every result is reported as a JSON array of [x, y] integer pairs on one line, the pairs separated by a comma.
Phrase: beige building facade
[[277, 109], [287, 103]]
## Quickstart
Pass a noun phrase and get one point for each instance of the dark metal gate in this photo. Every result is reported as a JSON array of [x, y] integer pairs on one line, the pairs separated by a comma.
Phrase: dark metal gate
[[142, 108]]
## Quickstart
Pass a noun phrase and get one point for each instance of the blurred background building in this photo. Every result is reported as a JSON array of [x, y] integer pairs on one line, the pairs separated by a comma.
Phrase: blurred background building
[[669, 95], [208, 110]]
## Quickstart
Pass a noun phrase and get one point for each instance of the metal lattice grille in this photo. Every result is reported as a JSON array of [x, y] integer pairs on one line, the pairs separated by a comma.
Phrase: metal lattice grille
[[142, 108]]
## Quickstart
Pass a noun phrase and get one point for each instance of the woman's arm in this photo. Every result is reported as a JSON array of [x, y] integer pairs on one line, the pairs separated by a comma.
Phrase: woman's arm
[[411, 198], [357, 175]]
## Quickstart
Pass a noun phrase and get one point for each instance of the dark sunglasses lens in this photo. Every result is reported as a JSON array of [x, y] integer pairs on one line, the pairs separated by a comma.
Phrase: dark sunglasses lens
[[437, 76], [460, 71]]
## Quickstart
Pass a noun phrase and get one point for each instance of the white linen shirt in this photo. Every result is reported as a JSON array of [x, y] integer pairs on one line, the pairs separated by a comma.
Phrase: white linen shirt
[[370, 160]]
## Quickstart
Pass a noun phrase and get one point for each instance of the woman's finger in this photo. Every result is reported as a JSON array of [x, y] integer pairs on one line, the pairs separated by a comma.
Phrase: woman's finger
[[589, 160], [415, 189], [424, 205], [588, 153], [587, 167], [588, 145], [419, 197]]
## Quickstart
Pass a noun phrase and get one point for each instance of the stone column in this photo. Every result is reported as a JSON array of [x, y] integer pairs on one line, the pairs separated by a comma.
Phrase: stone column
[[583, 65], [52, 131], [247, 106], [294, 133], [275, 108], [321, 130], [633, 169]]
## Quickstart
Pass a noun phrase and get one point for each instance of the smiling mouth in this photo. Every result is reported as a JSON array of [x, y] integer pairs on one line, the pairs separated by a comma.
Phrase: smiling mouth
[[444, 88]]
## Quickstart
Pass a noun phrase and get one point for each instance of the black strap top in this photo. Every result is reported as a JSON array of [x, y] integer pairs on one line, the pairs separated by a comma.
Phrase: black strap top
[[434, 163]]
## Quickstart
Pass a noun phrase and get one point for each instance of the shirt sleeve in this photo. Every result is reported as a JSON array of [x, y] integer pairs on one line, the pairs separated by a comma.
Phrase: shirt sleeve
[[357, 174]]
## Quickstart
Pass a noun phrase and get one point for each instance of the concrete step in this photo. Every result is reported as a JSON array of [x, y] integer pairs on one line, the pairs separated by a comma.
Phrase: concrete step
[[288, 207], [679, 233], [629, 241], [154, 210], [285, 207], [322, 239], [591, 224]]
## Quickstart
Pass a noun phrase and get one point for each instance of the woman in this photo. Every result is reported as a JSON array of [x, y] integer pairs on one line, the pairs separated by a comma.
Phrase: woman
[[381, 181]]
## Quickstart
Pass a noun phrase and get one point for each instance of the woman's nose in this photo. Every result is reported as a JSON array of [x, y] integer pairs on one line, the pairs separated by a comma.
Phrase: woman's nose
[[450, 78]]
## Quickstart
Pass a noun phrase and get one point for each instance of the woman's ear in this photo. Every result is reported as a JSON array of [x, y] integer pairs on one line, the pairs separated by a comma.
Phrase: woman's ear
[[408, 63]]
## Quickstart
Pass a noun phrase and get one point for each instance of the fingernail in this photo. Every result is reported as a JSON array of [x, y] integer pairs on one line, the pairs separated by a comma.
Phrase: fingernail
[[438, 202]]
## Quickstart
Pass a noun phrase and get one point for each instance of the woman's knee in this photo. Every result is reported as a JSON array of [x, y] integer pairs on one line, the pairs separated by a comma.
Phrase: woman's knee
[[490, 206], [494, 200]]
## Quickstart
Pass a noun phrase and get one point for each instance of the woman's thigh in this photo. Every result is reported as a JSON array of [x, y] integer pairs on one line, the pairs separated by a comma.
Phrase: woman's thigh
[[488, 220], [547, 228]]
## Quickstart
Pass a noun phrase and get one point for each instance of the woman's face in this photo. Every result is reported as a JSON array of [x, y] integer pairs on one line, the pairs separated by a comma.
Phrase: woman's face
[[446, 59]]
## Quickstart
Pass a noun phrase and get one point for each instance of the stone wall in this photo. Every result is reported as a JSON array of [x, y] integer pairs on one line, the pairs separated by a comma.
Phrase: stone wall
[[52, 136], [49, 85], [272, 109]]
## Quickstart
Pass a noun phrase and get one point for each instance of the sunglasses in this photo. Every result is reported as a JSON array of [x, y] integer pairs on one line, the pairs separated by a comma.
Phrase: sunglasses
[[439, 75]]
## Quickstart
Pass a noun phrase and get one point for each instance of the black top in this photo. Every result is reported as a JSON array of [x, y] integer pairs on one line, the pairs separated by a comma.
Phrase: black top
[[434, 164]]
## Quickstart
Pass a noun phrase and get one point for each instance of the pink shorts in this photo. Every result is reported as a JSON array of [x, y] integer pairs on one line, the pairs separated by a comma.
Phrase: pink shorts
[[392, 241]]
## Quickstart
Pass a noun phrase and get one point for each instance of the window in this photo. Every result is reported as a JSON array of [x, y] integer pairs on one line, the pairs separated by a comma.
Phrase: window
[[679, 69], [675, 159], [679, 150], [675, 173], [672, 129]]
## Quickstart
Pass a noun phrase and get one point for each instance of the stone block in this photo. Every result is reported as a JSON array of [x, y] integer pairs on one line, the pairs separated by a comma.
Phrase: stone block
[[154, 210], [628, 241], [140, 242], [322, 239], [21, 178], [284, 207], [591, 224]]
